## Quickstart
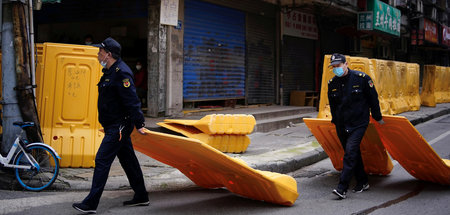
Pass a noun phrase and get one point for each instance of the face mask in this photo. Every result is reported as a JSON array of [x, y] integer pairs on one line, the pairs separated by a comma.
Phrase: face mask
[[87, 43], [338, 71], [103, 62], [138, 67]]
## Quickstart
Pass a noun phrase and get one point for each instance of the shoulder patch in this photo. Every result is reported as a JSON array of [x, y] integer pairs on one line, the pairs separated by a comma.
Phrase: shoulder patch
[[126, 82], [370, 83]]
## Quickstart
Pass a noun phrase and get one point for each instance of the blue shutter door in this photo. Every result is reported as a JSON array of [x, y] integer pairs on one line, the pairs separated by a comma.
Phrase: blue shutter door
[[214, 52]]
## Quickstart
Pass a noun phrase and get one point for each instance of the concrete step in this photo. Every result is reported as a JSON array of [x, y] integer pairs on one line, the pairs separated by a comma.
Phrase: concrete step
[[275, 123], [281, 112]]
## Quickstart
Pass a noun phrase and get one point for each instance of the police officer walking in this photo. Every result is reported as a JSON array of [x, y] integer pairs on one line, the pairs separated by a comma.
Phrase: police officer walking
[[119, 112], [352, 97]]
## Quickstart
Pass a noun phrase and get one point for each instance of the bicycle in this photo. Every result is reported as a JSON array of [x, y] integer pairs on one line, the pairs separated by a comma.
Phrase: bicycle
[[36, 165]]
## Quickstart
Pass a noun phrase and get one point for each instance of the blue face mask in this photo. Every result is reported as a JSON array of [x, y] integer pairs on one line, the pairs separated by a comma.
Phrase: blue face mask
[[338, 71]]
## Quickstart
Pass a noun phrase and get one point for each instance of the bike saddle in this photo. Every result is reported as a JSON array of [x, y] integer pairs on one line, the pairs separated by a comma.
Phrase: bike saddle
[[23, 124]]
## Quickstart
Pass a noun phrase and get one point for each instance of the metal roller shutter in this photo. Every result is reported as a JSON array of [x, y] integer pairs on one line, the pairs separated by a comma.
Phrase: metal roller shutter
[[260, 59], [297, 65], [214, 52]]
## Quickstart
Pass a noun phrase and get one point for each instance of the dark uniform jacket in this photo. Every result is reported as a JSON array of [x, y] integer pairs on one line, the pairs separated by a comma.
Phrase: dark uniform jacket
[[351, 99], [117, 99]]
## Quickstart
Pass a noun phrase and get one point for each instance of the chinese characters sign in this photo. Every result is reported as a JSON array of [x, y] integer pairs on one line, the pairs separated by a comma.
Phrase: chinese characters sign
[[299, 24], [365, 20], [169, 12], [431, 32], [385, 18], [445, 35]]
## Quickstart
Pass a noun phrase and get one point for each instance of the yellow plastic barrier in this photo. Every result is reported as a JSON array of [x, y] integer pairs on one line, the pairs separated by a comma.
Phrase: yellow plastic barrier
[[405, 144], [398, 71], [221, 123], [68, 102], [382, 75], [427, 96], [412, 90], [210, 168], [223, 142], [442, 85], [374, 155]]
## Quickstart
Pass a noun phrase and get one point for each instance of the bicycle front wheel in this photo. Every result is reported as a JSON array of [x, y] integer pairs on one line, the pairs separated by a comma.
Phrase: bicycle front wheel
[[40, 176]]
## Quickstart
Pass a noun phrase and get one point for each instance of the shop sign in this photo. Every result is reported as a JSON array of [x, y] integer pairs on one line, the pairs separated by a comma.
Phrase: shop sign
[[386, 18], [431, 31], [300, 24], [365, 21], [445, 35]]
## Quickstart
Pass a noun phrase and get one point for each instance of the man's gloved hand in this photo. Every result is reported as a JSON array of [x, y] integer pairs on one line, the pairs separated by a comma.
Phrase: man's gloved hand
[[142, 130], [381, 122]]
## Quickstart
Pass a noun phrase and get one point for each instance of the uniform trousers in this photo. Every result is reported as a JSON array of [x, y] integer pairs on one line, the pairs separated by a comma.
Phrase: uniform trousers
[[108, 150], [353, 164]]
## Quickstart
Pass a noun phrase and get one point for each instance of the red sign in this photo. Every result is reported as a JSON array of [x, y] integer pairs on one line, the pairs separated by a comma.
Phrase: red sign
[[445, 35], [431, 31]]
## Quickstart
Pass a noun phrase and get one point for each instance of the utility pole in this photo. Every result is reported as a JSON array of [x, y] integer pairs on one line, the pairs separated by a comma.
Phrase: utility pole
[[25, 95], [11, 111]]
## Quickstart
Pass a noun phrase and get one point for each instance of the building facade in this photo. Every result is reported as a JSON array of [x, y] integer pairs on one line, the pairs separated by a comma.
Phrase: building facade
[[219, 52]]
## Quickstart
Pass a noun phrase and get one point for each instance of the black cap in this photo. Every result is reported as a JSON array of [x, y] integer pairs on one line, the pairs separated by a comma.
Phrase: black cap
[[110, 45], [337, 59]]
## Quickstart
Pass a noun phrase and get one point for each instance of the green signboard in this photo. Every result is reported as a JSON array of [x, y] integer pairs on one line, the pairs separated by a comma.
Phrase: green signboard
[[385, 17], [365, 21]]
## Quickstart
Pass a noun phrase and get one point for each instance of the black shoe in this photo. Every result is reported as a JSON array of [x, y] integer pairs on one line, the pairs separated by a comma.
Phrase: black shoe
[[340, 194], [84, 208], [361, 187], [136, 202]]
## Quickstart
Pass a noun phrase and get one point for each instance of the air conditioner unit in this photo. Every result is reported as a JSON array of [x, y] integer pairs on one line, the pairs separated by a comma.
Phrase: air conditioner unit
[[400, 3]]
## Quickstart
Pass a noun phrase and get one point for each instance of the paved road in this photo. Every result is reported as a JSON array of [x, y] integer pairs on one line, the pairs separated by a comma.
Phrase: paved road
[[397, 193]]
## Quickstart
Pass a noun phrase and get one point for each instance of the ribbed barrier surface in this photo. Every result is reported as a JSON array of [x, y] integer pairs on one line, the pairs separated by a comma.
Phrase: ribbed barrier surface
[[210, 168], [405, 144], [232, 143], [374, 155]]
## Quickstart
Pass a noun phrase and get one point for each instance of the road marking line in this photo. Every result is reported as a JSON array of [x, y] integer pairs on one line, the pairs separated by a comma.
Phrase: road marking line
[[440, 137]]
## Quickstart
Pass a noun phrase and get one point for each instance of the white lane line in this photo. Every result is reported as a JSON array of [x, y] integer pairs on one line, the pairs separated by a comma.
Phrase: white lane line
[[440, 137]]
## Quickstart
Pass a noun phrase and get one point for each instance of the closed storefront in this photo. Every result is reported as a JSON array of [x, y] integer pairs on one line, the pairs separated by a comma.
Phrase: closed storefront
[[297, 65], [260, 60], [214, 52]]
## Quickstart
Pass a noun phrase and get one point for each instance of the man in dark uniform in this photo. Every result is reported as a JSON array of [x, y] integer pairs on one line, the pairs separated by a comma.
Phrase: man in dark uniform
[[119, 112], [352, 97]]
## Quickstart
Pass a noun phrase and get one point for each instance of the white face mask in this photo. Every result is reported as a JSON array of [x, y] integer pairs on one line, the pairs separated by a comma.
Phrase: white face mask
[[138, 67], [103, 62]]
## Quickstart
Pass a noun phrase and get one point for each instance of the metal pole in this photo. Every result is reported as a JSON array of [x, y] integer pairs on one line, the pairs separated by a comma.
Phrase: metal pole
[[31, 43], [11, 111]]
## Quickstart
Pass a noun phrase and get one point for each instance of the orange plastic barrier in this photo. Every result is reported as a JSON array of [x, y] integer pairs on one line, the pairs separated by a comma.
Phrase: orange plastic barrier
[[412, 90], [224, 142], [67, 76], [374, 155], [405, 144], [221, 123], [210, 168], [398, 71]]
